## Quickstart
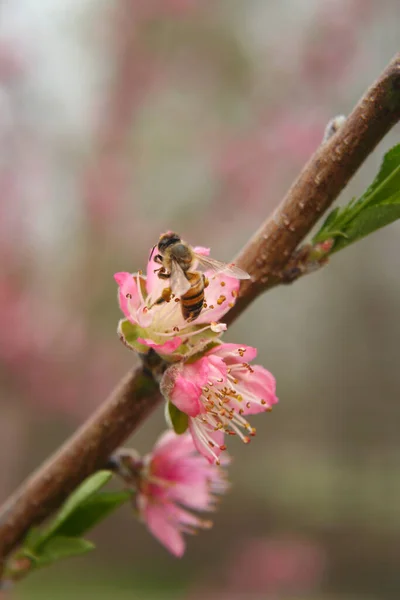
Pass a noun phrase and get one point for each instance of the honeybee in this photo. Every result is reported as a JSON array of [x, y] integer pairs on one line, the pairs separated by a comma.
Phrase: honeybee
[[181, 265]]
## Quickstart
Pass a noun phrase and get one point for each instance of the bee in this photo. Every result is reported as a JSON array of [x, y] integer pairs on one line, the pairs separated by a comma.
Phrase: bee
[[181, 265]]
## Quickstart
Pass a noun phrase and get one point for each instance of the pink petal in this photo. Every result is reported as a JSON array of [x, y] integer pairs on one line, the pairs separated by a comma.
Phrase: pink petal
[[160, 525], [186, 395], [202, 250], [254, 387], [217, 368], [203, 436], [167, 348], [172, 445], [220, 294], [231, 355], [154, 284], [127, 285]]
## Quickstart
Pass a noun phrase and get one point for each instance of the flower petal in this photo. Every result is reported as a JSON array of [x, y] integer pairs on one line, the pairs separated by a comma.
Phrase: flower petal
[[220, 296], [202, 250], [127, 287], [234, 353], [257, 388], [167, 348], [172, 445], [162, 527], [154, 284]]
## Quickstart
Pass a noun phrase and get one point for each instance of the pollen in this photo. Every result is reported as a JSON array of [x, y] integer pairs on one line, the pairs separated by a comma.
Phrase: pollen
[[241, 352], [231, 305], [234, 293], [128, 296], [212, 306], [222, 447], [223, 283], [177, 299], [175, 329], [263, 401], [221, 300]]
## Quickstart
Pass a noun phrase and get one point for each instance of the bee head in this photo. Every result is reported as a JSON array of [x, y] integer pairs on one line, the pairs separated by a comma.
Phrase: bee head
[[166, 240]]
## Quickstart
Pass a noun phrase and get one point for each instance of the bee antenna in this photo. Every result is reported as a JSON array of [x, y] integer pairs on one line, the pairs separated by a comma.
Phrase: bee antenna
[[152, 252]]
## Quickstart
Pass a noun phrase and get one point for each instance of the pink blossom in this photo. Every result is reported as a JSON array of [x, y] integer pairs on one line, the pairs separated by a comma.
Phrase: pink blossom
[[162, 326], [172, 481], [216, 391]]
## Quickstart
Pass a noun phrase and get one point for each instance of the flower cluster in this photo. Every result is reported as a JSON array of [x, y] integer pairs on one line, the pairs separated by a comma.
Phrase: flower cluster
[[210, 386]]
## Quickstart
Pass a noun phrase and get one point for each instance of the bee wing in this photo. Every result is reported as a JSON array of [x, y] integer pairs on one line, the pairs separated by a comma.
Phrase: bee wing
[[210, 264], [178, 282]]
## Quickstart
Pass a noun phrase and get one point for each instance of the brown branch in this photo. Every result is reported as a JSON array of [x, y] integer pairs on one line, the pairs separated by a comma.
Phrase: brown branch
[[264, 257], [323, 178]]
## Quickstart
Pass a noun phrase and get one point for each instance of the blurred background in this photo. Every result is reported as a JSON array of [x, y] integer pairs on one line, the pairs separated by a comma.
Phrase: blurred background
[[120, 119]]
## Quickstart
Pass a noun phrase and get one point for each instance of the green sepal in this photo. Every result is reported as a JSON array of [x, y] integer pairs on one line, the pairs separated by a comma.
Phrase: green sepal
[[200, 354], [178, 419], [129, 334]]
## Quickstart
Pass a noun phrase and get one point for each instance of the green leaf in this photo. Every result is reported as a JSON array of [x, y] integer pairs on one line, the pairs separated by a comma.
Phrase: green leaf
[[179, 420], [377, 207], [89, 487], [369, 220], [92, 511], [387, 182], [35, 540], [60, 547]]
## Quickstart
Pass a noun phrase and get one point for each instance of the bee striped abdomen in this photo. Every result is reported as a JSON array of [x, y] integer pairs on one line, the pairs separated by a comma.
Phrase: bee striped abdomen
[[192, 302]]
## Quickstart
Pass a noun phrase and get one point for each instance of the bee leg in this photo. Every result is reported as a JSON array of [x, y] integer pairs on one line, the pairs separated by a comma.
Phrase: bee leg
[[165, 297], [162, 274], [158, 259], [205, 281]]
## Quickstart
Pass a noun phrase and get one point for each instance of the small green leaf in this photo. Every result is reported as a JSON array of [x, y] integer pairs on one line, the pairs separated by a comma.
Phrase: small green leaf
[[369, 220], [89, 487], [387, 182], [60, 547], [92, 511], [377, 207], [179, 420], [33, 538]]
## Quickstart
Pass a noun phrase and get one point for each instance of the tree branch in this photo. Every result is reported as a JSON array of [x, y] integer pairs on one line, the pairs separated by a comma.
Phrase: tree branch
[[323, 178], [264, 257]]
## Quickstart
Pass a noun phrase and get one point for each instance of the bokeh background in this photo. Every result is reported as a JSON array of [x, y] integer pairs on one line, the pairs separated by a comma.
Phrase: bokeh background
[[120, 119]]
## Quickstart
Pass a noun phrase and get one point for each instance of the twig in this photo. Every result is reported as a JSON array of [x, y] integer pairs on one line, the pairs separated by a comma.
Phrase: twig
[[264, 257], [323, 178]]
